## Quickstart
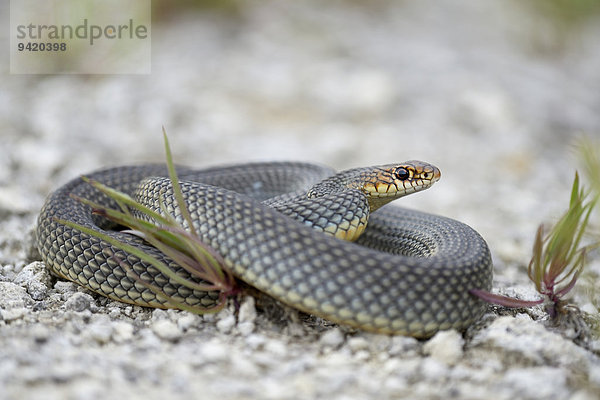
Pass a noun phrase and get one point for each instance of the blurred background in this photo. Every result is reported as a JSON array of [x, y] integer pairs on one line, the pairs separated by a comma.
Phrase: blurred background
[[493, 92]]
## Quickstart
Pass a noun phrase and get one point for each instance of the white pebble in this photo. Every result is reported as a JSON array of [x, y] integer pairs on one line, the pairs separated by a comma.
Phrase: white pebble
[[332, 338], [225, 324], [583, 395], [214, 351], [256, 341], [158, 314], [589, 308], [434, 370], [122, 331], [13, 296], [358, 343], [362, 355], [247, 310], [403, 346], [537, 382], [187, 320], [445, 346], [100, 332], [65, 287], [246, 367], [246, 328], [276, 347], [36, 278], [166, 329], [531, 341], [12, 314], [79, 302]]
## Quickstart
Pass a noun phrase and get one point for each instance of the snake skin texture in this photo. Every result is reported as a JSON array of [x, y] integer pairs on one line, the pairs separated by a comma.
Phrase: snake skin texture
[[409, 272]]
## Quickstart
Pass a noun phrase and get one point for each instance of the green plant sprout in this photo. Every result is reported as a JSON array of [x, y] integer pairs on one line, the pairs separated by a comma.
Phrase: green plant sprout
[[558, 257], [206, 267], [590, 154]]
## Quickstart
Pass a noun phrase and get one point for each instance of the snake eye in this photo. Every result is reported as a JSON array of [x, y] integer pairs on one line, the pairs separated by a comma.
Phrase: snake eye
[[402, 174]]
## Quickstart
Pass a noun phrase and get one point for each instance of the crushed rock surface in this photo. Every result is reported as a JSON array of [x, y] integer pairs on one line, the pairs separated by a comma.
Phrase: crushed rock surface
[[493, 95]]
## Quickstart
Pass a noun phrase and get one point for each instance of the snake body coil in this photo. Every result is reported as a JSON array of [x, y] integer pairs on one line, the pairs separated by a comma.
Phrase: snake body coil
[[408, 273]]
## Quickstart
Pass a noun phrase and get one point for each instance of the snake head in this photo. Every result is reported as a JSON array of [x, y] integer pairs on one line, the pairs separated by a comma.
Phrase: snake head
[[380, 184], [385, 183]]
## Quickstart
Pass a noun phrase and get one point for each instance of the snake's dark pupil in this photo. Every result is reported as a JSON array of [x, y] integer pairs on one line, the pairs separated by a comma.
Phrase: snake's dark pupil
[[402, 174]]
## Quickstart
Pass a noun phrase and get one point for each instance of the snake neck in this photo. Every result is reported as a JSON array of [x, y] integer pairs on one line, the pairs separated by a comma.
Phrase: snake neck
[[355, 179], [341, 214]]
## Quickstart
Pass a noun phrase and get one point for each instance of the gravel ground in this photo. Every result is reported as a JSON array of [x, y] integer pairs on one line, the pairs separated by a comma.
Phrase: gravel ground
[[491, 94]]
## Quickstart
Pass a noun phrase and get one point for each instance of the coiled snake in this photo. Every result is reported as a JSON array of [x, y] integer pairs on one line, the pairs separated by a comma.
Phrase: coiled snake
[[408, 273]]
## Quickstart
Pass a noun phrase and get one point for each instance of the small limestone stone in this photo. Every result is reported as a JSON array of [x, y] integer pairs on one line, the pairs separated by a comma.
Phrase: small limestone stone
[[35, 278], [256, 341], [537, 382], [433, 369], [122, 331], [589, 308], [332, 338], [214, 351], [159, 314], [403, 345], [13, 296], [583, 395], [100, 332], [225, 324], [276, 347], [357, 344], [79, 302], [531, 341], [247, 310], [445, 346], [12, 314], [65, 287], [165, 329], [186, 320], [246, 328]]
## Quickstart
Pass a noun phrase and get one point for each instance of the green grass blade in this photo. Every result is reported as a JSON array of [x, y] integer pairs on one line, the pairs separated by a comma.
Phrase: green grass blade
[[218, 306], [575, 194], [171, 242], [162, 267], [535, 270], [194, 267], [590, 154], [167, 235], [205, 255], [586, 212], [128, 200], [185, 213], [132, 222]]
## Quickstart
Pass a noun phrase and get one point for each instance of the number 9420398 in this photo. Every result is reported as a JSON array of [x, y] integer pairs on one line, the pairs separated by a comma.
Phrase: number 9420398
[[35, 46]]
